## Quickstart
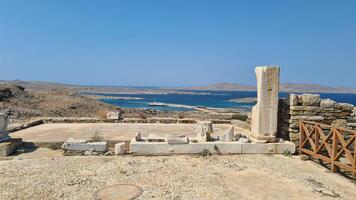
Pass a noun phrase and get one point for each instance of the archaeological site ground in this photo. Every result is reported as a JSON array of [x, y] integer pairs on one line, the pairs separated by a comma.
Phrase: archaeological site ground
[[299, 147]]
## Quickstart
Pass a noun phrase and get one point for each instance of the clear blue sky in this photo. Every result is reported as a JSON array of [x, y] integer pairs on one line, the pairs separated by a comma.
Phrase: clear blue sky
[[177, 43]]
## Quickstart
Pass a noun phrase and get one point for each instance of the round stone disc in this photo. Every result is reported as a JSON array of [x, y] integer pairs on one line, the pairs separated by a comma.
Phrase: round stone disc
[[118, 191]]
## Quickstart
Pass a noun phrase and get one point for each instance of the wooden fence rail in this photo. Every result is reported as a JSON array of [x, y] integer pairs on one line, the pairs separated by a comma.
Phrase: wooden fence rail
[[333, 145]]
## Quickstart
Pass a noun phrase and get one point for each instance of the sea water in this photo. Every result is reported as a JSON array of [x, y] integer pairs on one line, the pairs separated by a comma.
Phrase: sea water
[[212, 99]]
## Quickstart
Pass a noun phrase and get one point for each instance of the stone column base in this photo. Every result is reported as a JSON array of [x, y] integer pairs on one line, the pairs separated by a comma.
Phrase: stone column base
[[4, 137]]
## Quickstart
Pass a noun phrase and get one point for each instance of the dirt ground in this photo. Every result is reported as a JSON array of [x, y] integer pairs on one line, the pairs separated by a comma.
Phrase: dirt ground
[[44, 174], [109, 131]]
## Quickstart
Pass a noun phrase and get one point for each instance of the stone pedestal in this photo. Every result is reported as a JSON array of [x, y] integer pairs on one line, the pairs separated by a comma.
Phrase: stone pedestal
[[265, 112], [120, 148], [204, 130], [3, 126], [9, 146]]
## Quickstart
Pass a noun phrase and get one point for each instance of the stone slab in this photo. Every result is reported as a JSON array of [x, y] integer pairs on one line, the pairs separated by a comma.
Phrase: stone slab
[[76, 140], [228, 147], [120, 148], [162, 148], [351, 124], [113, 115], [4, 137], [176, 140], [155, 138], [91, 146], [9, 147], [311, 99], [268, 148]]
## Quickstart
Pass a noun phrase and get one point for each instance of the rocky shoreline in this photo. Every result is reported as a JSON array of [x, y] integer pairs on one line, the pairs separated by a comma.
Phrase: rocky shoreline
[[245, 100], [21, 105]]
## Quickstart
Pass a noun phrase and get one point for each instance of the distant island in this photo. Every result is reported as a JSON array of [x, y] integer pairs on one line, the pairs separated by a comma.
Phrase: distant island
[[284, 87], [39, 86]]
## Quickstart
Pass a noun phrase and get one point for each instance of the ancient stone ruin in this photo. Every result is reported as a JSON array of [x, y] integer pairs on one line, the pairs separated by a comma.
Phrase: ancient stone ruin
[[7, 144], [229, 143], [265, 112], [260, 139], [310, 107]]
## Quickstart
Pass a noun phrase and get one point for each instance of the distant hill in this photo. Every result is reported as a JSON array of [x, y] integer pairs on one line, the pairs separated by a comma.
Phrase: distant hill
[[284, 87], [40, 86], [36, 86], [316, 88], [224, 87]]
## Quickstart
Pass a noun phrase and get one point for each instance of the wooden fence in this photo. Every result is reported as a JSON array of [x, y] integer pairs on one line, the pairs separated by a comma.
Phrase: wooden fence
[[333, 145]]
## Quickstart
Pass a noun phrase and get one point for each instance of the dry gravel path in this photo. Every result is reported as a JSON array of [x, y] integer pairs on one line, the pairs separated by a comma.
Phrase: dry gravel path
[[173, 177]]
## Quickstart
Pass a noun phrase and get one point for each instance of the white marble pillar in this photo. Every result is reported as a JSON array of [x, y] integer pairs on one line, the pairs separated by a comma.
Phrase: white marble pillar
[[265, 112]]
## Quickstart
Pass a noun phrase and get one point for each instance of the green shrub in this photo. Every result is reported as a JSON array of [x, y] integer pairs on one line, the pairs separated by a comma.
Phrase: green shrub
[[205, 152]]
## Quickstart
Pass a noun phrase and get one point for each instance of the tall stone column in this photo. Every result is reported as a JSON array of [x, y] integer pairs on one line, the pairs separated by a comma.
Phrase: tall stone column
[[265, 112]]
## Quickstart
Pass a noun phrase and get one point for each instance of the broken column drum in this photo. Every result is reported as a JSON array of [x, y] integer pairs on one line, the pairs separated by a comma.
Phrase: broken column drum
[[265, 112]]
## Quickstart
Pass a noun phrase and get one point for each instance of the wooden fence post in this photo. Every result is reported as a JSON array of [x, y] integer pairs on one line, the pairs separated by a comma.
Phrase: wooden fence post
[[317, 138], [301, 139], [333, 149]]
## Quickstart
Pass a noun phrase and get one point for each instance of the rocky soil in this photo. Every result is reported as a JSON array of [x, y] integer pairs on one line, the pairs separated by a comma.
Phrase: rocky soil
[[22, 104], [173, 177]]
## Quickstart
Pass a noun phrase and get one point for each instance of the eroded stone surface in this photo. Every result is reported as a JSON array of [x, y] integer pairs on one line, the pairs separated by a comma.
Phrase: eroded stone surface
[[138, 136], [9, 146], [154, 138], [219, 147], [170, 139], [228, 136], [311, 99], [204, 129], [327, 103], [91, 146], [113, 115], [265, 112], [76, 140], [120, 148]]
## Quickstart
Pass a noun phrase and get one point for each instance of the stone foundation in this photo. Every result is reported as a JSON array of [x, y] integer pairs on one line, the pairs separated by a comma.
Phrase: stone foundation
[[310, 107], [217, 147], [8, 147]]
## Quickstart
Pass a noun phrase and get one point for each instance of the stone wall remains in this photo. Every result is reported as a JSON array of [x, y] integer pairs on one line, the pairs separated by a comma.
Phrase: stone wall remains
[[311, 108]]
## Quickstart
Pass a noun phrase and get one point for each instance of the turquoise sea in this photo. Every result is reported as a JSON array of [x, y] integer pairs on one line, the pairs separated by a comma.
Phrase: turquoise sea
[[213, 99]]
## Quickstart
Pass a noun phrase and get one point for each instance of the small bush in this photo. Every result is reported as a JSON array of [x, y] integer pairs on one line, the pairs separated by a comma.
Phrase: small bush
[[287, 153], [205, 153]]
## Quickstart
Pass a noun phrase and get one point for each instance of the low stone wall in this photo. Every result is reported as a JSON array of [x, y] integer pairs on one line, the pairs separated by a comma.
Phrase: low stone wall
[[311, 108]]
